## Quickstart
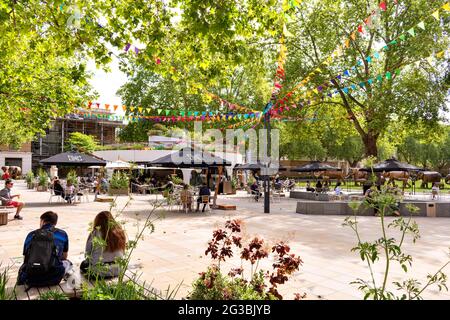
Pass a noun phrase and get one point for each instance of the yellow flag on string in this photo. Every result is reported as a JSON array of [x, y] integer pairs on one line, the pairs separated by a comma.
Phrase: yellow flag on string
[[124, 108], [446, 6], [436, 14], [353, 36], [347, 43], [440, 54], [140, 109]]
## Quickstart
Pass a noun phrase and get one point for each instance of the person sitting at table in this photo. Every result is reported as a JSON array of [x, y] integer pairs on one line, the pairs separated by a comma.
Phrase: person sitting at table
[[70, 192], [326, 186], [186, 197], [204, 191], [255, 190], [319, 186], [338, 189], [58, 189], [308, 187]]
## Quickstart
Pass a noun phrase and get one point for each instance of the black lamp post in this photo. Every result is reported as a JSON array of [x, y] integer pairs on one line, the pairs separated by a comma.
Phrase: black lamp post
[[266, 174]]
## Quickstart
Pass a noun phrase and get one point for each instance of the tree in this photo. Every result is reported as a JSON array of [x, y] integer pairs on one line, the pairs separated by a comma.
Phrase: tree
[[416, 94], [42, 59], [81, 142]]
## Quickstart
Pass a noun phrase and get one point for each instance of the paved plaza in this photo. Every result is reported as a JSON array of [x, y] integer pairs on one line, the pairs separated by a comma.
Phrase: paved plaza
[[174, 253]]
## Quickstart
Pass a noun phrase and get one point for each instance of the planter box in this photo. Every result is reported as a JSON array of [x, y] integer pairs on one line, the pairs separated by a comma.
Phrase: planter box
[[3, 218], [118, 192], [42, 188], [30, 185]]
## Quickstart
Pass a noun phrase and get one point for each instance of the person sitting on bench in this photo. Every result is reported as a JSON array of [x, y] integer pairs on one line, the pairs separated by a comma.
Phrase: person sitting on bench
[[104, 246], [308, 187], [7, 199], [45, 254]]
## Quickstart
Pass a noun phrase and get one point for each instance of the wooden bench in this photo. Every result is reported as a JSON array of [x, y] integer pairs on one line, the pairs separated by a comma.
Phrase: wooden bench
[[226, 207], [4, 211], [34, 293]]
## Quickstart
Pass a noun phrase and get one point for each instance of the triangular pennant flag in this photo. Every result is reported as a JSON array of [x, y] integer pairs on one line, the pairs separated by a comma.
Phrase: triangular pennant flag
[[430, 60], [353, 36], [140, 109], [412, 32], [446, 6], [131, 108], [167, 112], [107, 106], [397, 71], [370, 81], [379, 78], [436, 15], [376, 55], [440, 54], [383, 6], [115, 107], [159, 111], [347, 73], [403, 37], [393, 42], [388, 75], [421, 25]]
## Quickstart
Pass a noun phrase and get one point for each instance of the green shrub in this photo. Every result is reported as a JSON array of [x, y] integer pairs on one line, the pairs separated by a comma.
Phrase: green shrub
[[5, 292], [119, 180], [43, 178], [53, 295], [29, 178], [176, 180], [72, 177]]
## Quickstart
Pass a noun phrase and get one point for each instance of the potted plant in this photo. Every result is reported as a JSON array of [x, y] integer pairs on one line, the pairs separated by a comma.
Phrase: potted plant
[[42, 180], [118, 184], [72, 178], [30, 179], [234, 185]]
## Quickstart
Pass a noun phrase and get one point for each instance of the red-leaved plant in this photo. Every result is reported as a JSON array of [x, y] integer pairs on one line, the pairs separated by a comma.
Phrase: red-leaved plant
[[213, 285]]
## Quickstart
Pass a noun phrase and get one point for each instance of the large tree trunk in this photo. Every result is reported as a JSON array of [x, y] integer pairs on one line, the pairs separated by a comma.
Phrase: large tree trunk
[[370, 144]]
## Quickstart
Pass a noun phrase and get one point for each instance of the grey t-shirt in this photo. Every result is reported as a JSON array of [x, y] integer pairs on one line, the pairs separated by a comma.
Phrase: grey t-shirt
[[97, 255], [5, 196]]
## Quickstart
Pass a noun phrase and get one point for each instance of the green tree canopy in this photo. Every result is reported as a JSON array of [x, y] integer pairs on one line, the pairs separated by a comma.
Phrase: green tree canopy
[[414, 95], [81, 142]]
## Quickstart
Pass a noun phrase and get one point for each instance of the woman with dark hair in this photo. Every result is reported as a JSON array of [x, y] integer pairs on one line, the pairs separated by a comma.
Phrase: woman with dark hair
[[106, 244]]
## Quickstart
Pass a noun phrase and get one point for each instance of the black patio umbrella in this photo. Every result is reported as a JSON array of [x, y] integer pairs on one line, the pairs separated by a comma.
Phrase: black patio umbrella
[[392, 165], [190, 158], [315, 166], [255, 166], [73, 159]]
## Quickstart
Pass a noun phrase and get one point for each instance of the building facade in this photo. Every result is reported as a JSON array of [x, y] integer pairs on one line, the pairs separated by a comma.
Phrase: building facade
[[16, 157], [54, 141]]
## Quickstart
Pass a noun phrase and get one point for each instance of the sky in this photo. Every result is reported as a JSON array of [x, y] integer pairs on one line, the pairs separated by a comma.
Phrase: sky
[[107, 84]]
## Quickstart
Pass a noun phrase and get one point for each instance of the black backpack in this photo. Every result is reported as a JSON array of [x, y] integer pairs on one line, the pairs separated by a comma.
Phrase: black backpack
[[41, 256]]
